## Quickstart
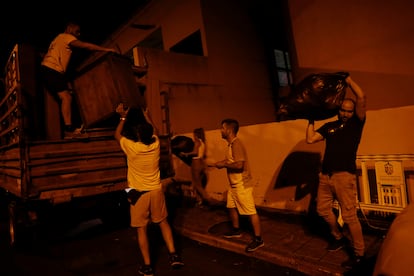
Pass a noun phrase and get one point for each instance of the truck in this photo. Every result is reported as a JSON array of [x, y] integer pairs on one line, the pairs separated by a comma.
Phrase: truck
[[38, 168]]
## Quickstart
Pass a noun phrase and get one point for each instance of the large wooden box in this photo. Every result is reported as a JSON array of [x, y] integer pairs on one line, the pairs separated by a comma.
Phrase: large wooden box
[[103, 84]]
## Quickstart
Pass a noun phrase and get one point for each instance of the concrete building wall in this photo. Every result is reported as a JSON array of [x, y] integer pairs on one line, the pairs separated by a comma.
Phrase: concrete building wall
[[285, 168], [235, 80], [371, 39], [176, 18]]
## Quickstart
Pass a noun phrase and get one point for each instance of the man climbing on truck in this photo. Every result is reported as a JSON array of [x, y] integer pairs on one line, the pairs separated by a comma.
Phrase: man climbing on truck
[[54, 71]]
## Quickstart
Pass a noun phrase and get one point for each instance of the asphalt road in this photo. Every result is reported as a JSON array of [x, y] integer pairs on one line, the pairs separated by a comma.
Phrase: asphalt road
[[88, 240]]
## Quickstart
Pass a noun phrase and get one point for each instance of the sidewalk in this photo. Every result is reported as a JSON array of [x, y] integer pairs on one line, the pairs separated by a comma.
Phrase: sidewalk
[[289, 240]]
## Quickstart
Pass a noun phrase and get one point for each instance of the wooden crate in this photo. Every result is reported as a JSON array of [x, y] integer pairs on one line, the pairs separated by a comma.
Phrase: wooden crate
[[103, 84]]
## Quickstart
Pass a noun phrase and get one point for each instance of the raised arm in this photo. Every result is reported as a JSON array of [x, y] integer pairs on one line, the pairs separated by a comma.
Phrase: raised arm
[[147, 116], [91, 46], [312, 136], [122, 113], [360, 108]]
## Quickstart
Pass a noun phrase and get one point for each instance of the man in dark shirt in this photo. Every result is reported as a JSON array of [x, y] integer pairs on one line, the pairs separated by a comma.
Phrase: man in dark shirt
[[337, 181]]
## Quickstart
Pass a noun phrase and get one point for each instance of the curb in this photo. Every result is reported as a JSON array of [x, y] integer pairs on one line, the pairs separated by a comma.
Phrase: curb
[[292, 262]]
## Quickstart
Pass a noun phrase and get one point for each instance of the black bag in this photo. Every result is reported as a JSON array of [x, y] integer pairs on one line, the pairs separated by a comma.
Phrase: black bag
[[181, 144], [316, 97], [133, 196]]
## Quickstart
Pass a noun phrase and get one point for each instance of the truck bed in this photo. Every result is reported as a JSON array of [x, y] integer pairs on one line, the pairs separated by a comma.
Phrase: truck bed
[[61, 169], [35, 163]]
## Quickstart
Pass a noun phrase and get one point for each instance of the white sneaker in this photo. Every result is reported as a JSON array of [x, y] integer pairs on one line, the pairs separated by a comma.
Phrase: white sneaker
[[78, 130], [76, 134]]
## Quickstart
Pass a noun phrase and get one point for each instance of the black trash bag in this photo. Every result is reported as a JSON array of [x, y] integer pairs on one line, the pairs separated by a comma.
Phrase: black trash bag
[[133, 196], [181, 144], [316, 97]]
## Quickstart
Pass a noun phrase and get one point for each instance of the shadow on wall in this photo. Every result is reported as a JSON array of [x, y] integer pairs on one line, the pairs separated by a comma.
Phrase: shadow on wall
[[300, 169]]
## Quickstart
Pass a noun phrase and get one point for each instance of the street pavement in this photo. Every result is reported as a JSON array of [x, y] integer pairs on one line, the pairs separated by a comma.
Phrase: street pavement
[[292, 240], [297, 241]]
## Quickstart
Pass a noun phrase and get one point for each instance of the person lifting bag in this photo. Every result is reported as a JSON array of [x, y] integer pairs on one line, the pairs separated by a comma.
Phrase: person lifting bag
[[316, 97], [181, 144]]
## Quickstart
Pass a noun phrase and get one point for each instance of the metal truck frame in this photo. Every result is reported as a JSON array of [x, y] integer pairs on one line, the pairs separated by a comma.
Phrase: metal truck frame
[[37, 166]]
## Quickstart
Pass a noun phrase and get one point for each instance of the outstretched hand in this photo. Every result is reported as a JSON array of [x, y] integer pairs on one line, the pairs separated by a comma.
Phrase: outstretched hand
[[111, 50], [122, 110]]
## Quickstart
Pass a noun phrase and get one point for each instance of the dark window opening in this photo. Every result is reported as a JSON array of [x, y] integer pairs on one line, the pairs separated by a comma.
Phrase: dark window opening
[[283, 68], [154, 40], [190, 45]]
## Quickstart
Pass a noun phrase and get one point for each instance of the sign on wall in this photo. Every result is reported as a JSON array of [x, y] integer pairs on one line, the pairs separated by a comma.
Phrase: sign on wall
[[391, 183]]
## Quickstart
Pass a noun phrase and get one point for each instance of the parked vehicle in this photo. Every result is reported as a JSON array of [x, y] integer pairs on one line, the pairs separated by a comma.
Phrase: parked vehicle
[[37, 166]]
